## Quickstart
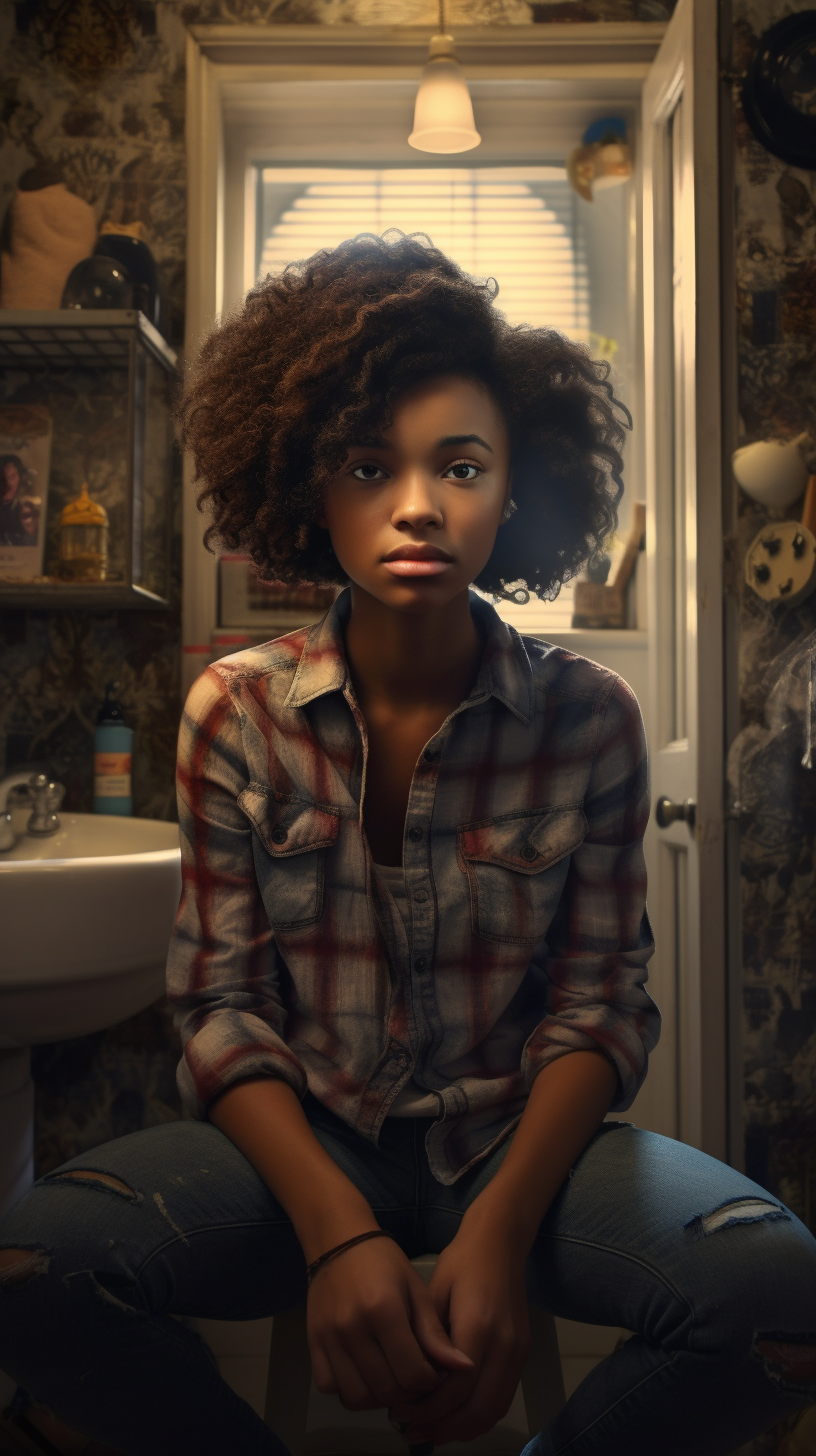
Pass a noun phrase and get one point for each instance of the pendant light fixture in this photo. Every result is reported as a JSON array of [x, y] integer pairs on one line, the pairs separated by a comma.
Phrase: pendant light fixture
[[443, 115]]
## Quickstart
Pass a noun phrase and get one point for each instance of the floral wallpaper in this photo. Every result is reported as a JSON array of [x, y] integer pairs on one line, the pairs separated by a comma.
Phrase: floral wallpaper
[[773, 794], [97, 87]]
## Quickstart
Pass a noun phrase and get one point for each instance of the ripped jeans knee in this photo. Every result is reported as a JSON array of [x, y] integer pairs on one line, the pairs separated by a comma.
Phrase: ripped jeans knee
[[789, 1362], [17, 1266], [786, 1356], [736, 1211], [89, 1176]]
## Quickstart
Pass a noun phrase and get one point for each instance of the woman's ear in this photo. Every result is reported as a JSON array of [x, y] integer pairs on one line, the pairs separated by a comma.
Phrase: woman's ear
[[509, 507]]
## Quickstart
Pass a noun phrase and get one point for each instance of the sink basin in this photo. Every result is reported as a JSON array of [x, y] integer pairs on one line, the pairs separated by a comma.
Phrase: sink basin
[[86, 915], [85, 918]]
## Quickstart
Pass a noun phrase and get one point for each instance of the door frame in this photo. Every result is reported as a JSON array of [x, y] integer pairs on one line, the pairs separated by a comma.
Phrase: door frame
[[688, 67]]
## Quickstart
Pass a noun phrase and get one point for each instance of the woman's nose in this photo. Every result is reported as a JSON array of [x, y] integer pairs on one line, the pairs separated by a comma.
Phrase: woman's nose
[[416, 502]]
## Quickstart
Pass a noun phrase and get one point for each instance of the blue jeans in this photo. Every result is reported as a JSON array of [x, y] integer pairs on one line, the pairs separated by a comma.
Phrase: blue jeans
[[722, 1300]]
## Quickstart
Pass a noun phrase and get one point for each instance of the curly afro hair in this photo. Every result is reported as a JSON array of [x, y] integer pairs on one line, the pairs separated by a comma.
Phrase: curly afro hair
[[316, 358]]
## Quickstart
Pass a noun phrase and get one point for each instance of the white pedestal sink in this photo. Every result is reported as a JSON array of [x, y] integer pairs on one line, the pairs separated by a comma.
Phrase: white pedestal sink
[[85, 918]]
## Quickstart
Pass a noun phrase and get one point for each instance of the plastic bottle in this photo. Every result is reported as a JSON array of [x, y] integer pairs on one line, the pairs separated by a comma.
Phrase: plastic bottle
[[113, 748]]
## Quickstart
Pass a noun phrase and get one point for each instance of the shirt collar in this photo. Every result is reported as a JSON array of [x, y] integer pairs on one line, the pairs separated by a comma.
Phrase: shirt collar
[[504, 673]]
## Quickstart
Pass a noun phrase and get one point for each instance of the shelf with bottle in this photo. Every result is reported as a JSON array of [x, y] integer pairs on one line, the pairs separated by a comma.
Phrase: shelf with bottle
[[88, 463]]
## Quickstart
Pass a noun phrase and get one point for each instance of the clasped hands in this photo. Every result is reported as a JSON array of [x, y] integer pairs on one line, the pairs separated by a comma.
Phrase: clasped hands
[[445, 1359]]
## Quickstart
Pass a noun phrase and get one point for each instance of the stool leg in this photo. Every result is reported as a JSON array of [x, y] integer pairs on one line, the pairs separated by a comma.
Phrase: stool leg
[[289, 1379], [542, 1379]]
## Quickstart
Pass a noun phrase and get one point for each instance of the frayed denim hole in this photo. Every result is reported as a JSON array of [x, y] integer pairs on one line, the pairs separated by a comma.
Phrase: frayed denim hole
[[733, 1211], [788, 1360], [30, 1263], [94, 1178]]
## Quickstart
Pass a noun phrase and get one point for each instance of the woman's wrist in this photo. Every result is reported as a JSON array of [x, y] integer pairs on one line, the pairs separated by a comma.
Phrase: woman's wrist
[[341, 1218], [265, 1119], [501, 1223]]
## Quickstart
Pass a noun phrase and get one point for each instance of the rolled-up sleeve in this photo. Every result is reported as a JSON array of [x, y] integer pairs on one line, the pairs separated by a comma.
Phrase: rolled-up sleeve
[[600, 939], [222, 971]]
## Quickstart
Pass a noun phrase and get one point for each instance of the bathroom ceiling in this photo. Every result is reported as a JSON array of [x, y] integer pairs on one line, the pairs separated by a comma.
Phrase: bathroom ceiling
[[333, 120]]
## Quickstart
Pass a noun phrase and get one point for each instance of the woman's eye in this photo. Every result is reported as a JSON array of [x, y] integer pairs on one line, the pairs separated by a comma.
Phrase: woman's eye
[[368, 472], [463, 470]]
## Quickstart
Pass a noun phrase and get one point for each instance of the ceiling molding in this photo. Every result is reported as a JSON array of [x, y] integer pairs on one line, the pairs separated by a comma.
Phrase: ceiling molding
[[598, 44]]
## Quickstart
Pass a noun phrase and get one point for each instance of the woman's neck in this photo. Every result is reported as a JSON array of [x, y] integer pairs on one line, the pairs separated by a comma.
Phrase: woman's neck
[[412, 660]]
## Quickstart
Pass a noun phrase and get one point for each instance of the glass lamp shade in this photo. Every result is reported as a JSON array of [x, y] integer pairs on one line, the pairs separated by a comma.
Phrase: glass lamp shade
[[443, 115]]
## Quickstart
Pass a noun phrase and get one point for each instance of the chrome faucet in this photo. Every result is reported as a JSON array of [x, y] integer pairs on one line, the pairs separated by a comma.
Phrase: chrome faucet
[[48, 797], [44, 818]]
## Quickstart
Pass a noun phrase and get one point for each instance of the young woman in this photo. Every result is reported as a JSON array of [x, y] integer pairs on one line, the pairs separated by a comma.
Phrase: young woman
[[410, 956], [13, 479]]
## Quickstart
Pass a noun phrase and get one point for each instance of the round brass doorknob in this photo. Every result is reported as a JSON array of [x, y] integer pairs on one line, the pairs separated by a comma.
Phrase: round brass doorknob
[[668, 812]]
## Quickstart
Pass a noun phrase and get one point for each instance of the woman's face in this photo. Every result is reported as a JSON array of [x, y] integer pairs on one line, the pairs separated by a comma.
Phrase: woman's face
[[413, 513], [28, 520], [11, 480]]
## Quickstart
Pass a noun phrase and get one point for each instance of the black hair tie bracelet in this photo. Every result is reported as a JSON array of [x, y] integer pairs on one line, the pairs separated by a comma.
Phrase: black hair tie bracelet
[[311, 1269]]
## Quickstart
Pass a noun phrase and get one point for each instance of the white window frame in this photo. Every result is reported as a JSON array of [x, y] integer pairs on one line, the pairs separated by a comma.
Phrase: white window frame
[[228, 67]]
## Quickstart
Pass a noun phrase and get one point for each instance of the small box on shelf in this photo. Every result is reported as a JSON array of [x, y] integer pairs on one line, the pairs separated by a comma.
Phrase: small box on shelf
[[602, 604]]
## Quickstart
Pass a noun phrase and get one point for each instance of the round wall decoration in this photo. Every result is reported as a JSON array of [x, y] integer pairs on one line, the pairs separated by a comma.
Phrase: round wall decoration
[[779, 94]]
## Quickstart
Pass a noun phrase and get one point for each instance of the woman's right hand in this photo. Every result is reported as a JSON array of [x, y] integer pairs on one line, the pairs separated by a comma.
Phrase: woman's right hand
[[374, 1334]]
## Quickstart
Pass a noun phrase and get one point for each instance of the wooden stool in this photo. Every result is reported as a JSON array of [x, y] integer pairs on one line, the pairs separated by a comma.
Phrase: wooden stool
[[290, 1375]]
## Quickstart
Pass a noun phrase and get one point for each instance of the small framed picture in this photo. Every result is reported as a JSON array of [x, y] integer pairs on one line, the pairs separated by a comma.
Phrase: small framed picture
[[25, 462], [247, 602]]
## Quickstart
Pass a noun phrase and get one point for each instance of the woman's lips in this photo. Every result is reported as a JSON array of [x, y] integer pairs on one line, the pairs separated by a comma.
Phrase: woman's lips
[[417, 566]]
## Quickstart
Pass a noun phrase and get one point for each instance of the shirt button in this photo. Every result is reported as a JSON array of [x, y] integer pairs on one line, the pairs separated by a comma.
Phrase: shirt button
[[415, 833], [529, 853], [420, 963], [421, 896], [279, 836]]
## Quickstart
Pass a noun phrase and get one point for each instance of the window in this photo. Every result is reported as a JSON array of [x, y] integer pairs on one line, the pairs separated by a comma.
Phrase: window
[[515, 224]]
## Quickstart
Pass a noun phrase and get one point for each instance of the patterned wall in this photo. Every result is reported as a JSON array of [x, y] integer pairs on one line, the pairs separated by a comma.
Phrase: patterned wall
[[99, 88], [776, 350]]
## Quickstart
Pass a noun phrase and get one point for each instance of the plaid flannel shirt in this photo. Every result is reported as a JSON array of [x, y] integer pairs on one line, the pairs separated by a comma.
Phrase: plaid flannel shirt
[[524, 871]]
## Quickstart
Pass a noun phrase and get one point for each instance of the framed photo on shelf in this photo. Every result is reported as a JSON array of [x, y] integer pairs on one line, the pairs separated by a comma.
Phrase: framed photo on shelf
[[266, 607], [25, 463]]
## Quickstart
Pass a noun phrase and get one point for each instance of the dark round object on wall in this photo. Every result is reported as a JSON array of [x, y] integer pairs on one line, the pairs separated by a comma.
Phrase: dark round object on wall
[[98, 283], [141, 265], [779, 94]]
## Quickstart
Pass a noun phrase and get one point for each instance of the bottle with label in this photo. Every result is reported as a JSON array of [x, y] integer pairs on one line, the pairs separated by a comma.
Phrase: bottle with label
[[113, 748]]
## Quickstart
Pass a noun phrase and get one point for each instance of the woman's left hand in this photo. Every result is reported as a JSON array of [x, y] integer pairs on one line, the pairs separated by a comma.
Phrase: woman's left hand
[[479, 1293]]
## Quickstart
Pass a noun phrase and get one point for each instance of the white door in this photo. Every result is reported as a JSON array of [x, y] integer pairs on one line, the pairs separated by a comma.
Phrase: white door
[[684, 544]]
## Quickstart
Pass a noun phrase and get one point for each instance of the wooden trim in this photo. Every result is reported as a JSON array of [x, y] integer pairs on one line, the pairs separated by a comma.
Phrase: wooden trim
[[687, 64], [203, 300], [624, 42], [709, 724]]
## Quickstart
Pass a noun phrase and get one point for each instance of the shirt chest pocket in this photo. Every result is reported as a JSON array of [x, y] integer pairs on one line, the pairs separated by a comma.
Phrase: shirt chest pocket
[[290, 840], [516, 866]]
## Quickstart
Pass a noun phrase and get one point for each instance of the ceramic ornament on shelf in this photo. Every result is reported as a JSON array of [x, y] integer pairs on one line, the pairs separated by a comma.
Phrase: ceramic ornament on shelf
[[47, 231], [772, 472], [604, 158], [781, 562]]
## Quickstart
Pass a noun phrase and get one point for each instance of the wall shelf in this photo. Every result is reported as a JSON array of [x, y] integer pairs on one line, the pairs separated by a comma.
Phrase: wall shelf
[[77, 338], [106, 378]]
